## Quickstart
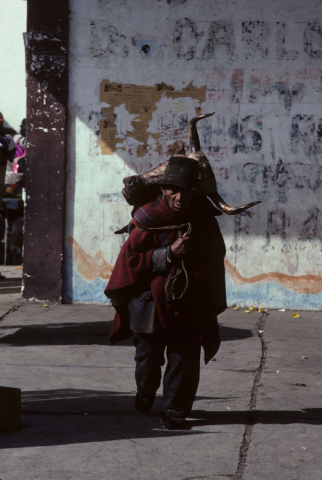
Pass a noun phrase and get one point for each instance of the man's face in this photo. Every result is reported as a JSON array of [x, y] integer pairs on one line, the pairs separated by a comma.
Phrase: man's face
[[178, 198]]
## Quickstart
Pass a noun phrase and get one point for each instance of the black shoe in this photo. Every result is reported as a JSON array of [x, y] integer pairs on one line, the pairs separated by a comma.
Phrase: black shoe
[[173, 419], [143, 404]]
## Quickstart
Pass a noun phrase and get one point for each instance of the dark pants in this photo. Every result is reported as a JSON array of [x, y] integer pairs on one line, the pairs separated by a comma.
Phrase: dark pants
[[181, 377]]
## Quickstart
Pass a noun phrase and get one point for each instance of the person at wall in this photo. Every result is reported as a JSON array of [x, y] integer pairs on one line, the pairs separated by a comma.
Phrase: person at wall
[[16, 157], [20, 138], [168, 287], [5, 129], [12, 170]]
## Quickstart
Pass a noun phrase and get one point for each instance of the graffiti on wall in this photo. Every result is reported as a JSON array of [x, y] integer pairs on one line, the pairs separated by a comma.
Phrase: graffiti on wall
[[240, 134], [264, 80], [214, 40]]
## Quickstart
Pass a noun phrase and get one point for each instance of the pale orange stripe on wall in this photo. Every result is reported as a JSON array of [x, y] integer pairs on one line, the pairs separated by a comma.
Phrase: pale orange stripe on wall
[[92, 267], [306, 284], [87, 266]]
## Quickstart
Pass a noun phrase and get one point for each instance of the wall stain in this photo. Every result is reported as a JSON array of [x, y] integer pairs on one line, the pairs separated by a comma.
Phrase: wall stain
[[302, 284], [237, 85], [105, 39], [260, 85], [216, 85], [290, 94], [271, 137], [304, 137], [115, 197], [281, 52], [245, 138]]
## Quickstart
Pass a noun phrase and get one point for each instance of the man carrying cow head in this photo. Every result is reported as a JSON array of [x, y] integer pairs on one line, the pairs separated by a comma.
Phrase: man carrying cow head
[[168, 287]]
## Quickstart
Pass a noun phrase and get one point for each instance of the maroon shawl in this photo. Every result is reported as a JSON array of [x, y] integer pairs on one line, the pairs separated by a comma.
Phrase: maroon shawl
[[205, 267]]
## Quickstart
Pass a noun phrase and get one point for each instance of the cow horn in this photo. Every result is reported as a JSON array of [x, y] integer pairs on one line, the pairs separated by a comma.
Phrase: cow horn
[[212, 192], [224, 207], [193, 133]]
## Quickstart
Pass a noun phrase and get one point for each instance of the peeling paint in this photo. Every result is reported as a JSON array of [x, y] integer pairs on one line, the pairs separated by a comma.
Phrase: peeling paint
[[140, 102], [105, 39]]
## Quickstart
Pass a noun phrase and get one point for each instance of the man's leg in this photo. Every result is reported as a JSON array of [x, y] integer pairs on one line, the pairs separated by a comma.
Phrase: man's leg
[[149, 358], [181, 378]]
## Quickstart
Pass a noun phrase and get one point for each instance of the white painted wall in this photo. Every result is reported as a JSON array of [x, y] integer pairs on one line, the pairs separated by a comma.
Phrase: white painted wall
[[13, 22], [261, 66]]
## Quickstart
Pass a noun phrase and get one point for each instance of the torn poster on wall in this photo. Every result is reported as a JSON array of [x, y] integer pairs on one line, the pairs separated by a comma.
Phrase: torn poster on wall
[[140, 102]]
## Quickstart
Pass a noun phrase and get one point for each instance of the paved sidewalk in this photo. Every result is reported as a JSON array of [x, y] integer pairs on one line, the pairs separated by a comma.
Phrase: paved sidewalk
[[257, 415]]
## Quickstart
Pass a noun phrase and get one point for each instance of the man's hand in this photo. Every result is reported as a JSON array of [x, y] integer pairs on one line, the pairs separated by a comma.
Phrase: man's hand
[[181, 246]]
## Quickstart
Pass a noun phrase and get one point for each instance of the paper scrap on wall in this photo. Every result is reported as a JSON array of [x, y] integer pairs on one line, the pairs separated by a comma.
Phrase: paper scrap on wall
[[141, 101]]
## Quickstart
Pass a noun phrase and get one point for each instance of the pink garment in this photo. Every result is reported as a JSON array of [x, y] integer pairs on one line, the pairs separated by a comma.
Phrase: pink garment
[[19, 151]]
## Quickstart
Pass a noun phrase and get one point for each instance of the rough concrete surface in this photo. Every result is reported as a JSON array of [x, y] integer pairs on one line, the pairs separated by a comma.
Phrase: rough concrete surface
[[249, 421], [286, 439]]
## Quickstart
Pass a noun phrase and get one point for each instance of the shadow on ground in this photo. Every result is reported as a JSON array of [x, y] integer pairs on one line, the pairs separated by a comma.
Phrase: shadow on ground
[[10, 285], [89, 333], [61, 417]]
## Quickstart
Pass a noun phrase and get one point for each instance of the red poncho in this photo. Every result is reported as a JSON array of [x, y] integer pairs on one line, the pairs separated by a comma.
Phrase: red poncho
[[204, 265]]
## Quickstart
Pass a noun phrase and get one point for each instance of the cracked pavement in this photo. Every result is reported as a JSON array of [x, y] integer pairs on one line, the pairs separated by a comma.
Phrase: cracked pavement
[[257, 414]]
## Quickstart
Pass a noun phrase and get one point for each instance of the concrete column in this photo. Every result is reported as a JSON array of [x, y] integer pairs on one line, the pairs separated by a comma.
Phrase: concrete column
[[47, 94]]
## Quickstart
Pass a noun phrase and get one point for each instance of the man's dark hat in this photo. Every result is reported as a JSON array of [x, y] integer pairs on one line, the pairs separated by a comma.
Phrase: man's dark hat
[[182, 172]]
